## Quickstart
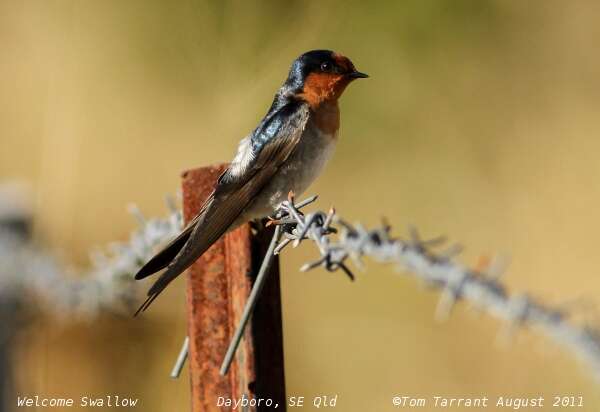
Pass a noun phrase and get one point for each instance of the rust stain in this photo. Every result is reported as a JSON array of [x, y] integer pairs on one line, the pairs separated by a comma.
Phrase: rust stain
[[217, 287]]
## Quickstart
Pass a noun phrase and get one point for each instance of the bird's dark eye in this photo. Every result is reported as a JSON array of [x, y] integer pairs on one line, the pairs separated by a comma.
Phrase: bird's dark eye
[[326, 66]]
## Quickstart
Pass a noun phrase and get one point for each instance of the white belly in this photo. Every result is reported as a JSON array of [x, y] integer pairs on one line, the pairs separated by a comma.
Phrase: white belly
[[300, 170]]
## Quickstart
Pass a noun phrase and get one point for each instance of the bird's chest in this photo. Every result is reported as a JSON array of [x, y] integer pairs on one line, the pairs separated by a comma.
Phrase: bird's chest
[[315, 148], [303, 166], [310, 157]]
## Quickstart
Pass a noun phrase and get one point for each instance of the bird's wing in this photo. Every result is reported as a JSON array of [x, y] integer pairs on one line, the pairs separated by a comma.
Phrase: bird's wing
[[271, 144]]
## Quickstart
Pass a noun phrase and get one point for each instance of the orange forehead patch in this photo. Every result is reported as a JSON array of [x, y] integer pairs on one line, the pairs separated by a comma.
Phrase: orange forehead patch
[[343, 62]]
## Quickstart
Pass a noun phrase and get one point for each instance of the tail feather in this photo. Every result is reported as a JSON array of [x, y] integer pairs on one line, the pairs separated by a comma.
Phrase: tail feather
[[184, 259], [219, 212], [145, 305], [175, 258], [206, 231], [163, 258]]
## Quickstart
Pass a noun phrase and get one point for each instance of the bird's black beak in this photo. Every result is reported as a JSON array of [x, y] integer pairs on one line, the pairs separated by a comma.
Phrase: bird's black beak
[[357, 75]]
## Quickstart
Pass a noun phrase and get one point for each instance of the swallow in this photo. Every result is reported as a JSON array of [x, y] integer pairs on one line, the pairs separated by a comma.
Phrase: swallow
[[286, 152]]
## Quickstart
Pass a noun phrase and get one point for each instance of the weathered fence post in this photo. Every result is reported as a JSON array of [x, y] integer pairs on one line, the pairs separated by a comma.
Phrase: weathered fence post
[[217, 287]]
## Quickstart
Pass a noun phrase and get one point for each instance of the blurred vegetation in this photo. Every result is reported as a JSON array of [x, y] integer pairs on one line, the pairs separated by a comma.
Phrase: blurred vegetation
[[480, 121]]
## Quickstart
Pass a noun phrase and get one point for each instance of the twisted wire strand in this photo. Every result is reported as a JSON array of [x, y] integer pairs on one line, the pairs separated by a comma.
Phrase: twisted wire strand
[[107, 286], [339, 242]]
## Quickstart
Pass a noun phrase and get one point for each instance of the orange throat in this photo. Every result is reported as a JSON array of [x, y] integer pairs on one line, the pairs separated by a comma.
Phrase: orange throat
[[327, 117], [320, 88], [321, 91]]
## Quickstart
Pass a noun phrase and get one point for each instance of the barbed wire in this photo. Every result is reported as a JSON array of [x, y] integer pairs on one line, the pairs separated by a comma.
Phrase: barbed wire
[[339, 242], [107, 286]]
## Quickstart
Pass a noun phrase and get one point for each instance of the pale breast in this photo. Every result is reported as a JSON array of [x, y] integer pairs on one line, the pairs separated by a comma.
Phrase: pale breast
[[304, 165], [309, 161]]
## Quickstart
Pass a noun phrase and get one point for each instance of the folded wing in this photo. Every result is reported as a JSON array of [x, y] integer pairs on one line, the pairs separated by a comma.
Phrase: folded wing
[[272, 143]]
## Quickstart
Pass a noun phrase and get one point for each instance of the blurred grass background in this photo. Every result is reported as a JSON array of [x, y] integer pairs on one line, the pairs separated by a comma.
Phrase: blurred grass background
[[480, 121]]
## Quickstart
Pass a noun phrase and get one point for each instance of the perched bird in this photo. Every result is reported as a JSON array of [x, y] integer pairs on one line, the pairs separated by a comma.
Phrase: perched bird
[[287, 151]]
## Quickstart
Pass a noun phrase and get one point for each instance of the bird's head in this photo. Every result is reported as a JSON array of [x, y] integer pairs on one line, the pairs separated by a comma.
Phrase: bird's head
[[320, 76]]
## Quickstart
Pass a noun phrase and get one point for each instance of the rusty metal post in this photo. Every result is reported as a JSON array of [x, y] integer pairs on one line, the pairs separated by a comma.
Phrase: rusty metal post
[[217, 287]]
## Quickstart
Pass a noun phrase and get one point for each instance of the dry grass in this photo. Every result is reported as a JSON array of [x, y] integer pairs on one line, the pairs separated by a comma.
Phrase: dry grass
[[480, 122]]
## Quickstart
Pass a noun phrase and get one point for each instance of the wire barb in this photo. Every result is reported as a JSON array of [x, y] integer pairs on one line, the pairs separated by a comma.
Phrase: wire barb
[[439, 269]]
